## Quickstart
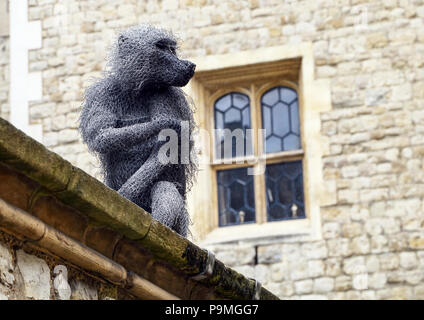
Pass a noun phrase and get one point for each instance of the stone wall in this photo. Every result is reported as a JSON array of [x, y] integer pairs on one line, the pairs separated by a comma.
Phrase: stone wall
[[342, 266], [4, 77], [32, 275], [373, 53], [4, 59]]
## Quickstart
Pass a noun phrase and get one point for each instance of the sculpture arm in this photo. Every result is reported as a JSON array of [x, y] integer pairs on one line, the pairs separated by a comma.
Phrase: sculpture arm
[[98, 128], [112, 139]]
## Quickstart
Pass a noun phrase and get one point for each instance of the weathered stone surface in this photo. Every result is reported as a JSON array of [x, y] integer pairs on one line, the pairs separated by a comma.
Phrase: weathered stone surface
[[396, 293], [360, 245], [315, 250], [372, 263], [282, 289], [291, 252], [303, 286], [82, 291], [279, 272], [322, 285], [338, 247], [413, 277], [262, 273], [360, 281], [314, 297], [270, 254], [355, 265], [299, 270], [62, 288], [419, 292], [389, 261], [247, 271], [330, 230], [6, 267], [316, 268], [3, 293], [236, 256], [408, 260], [333, 267], [343, 283], [35, 274]]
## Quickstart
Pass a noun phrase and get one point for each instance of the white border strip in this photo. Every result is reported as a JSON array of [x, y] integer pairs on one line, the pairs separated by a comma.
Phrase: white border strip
[[24, 87]]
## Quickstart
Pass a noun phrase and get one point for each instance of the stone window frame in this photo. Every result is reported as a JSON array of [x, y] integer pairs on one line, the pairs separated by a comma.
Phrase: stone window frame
[[292, 66], [254, 91]]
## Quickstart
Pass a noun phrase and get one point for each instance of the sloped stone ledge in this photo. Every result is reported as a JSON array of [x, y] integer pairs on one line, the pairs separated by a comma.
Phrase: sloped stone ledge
[[40, 182]]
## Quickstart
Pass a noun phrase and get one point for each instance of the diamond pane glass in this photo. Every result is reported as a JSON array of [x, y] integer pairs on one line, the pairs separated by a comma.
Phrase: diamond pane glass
[[232, 115], [284, 191], [236, 199], [280, 119]]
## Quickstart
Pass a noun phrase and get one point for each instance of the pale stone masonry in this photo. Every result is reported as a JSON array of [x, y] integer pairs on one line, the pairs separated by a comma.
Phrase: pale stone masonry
[[25, 276], [4, 76], [372, 244]]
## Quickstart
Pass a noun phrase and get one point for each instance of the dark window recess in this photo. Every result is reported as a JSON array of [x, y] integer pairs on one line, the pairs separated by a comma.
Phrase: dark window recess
[[280, 119], [236, 200], [232, 111], [284, 191]]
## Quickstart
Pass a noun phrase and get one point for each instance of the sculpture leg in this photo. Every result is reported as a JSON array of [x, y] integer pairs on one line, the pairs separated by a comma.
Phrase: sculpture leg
[[168, 207], [139, 183]]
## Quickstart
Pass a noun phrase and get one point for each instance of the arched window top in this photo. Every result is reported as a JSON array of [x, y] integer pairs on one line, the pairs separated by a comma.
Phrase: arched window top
[[279, 94], [280, 119], [232, 111], [232, 117]]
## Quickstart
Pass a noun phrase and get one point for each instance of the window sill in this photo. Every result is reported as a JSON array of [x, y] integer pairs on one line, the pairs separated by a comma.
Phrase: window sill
[[294, 230]]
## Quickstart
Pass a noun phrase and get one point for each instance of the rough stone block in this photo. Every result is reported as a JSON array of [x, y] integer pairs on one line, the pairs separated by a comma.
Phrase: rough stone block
[[6, 266], [408, 260], [360, 281], [303, 286], [262, 273], [82, 291], [360, 245], [279, 272], [36, 276], [316, 268], [377, 280], [338, 247], [299, 270], [322, 285], [240, 255], [247, 271], [330, 230], [270, 254], [315, 250], [372, 263], [389, 261], [333, 267], [354, 265]]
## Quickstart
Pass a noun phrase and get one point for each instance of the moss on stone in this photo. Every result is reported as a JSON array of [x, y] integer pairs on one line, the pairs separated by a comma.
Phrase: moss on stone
[[32, 158]]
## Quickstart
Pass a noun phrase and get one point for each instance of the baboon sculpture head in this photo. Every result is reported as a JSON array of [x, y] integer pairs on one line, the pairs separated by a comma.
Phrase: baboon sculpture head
[[145, 56]]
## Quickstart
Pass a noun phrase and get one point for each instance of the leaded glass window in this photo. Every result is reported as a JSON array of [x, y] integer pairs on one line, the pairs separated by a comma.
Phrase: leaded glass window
[[280, 119], [284, 191], [232, 119], [236, 198], [278, 193]]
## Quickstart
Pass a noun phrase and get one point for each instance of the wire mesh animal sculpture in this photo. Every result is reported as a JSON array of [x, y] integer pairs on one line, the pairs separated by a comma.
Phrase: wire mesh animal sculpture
[[124, 112]]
